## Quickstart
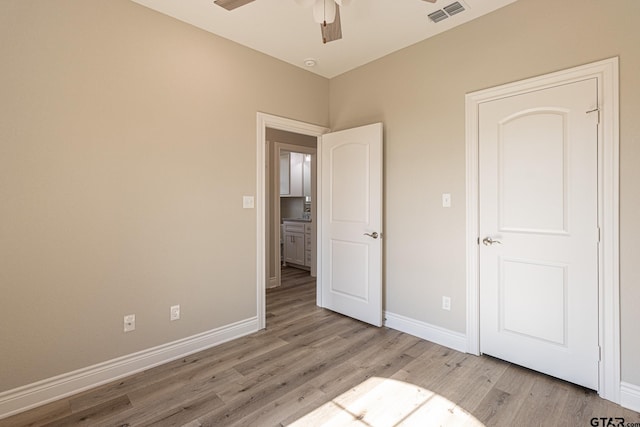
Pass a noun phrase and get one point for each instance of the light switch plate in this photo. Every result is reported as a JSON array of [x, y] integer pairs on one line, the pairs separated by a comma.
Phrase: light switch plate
[[247, 202], [446, 200]]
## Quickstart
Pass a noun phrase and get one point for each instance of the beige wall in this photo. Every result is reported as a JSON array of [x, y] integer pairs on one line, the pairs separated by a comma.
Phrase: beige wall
[[127, 140], [419, 94]]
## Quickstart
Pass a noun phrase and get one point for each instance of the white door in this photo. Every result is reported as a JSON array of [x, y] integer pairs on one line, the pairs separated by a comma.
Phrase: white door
[[539, 231], [351, 227]]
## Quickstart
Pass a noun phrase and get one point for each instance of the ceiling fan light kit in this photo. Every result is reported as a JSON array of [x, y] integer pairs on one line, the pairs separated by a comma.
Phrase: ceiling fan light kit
[[327, 14], [324, 11]]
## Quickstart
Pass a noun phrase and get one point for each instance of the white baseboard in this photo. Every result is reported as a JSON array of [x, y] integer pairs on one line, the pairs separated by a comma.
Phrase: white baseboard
[[273, 282], [436, 334], [32, 395], [630, 396]]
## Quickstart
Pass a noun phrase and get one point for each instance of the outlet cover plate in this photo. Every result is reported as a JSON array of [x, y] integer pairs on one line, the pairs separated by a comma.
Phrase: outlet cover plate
[[175, 312], [129, 322]]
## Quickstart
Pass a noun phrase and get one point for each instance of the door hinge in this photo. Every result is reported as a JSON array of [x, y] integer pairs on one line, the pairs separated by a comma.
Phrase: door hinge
[[599, 354], [478, 241], [595, 110], [599, 235]]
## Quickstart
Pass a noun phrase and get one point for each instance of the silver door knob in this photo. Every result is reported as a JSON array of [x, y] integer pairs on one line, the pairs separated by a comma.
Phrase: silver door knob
[[488, 241], [373, 235]]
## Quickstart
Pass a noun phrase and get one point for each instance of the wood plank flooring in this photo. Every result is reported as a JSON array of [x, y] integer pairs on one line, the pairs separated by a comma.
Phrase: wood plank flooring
[[313, 367]]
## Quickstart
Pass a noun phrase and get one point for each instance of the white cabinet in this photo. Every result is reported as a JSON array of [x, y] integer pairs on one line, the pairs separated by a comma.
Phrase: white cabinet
[[294, 242], [291, 174], [297, 243], [285, 167], [294, 248]]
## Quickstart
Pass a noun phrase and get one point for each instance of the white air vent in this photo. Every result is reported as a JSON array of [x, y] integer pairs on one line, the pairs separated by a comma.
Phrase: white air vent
[[447, 11], [438, 16]]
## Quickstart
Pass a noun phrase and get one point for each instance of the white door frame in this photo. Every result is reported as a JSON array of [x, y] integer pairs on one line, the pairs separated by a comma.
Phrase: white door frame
[[606, 72], [265, 121]]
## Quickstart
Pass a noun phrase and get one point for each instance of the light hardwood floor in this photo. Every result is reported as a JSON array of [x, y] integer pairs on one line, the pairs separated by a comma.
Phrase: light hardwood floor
[[313, 367]]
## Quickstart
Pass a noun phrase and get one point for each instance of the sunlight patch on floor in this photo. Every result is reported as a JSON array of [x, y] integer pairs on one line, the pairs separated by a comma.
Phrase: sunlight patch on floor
[[382, 402]]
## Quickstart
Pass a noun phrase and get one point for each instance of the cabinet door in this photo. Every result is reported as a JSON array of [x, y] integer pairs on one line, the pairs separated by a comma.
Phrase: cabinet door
[[299, 239], [289, 248], [285, 173], [295, 167], [294, 248]]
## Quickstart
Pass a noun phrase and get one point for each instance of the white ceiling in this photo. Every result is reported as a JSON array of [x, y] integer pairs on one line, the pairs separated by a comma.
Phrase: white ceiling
[[371, 29]]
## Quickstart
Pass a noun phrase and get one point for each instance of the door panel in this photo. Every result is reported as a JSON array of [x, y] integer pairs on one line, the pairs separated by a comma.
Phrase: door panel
[[528, 143], [351, 195], [349, 181], [349, 267], [538, 203], [528, 289]]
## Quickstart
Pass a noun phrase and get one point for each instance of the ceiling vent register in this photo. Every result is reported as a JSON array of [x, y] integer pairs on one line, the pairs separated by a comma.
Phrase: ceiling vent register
[[447, 11]]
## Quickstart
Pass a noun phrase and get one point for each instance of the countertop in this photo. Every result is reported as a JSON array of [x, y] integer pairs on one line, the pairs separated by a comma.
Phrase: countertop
[[295, 220]]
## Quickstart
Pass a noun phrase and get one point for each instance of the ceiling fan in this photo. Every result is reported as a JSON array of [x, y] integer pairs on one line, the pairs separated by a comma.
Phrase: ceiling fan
[[325, 12]]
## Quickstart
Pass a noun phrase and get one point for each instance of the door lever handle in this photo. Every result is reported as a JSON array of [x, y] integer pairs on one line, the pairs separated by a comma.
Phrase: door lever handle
[[488, 241], [373, 235]]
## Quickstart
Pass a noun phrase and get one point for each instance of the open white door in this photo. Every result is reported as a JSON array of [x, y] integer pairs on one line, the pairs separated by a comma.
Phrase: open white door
[[351, 228]]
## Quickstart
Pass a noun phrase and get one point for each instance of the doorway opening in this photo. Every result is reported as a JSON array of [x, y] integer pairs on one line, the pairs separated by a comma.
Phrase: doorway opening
[[291, 203], [268, 246], [348, 219]]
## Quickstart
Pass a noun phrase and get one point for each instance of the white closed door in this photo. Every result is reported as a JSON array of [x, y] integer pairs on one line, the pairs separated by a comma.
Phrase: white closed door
[[351, 223], [539, 230]]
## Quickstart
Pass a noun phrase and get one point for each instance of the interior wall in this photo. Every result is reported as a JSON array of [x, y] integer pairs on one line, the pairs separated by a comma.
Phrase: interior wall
[[127, 140], [419, 94]]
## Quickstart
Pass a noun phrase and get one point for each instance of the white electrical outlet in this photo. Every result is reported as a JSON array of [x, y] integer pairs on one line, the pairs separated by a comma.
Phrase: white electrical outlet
[[175, 312], [129, 322], [446, 303]]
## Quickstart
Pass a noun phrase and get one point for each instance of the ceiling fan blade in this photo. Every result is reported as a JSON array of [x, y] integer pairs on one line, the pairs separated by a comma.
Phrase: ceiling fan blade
[[333, 31], [232, 4], [430, 1]]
